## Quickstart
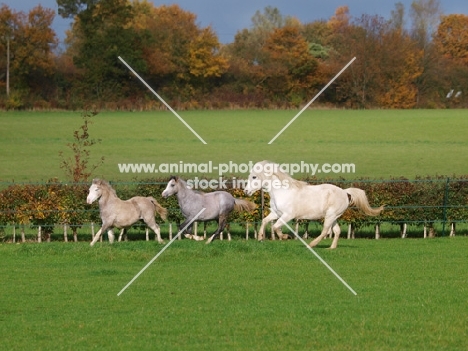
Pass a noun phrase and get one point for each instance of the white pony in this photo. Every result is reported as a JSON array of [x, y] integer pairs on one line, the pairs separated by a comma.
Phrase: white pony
[[293, 199]]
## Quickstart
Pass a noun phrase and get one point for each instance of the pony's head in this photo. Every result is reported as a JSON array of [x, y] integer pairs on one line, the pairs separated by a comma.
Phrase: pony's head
[[172, 187], [95, 191], [268, 176]]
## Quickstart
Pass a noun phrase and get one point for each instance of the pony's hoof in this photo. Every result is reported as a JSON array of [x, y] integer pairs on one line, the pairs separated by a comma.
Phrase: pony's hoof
[[188, 236], [210, 240]]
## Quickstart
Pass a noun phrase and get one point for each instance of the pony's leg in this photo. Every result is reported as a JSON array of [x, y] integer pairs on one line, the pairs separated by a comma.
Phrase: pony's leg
[[157, 232], [122, 231], [337, 231], [328, 223], [111, 236], [222, 221], [188, 230], [98, 234], [195, 236], [150, 222], [279, 224], [96, 237], [261, 232]]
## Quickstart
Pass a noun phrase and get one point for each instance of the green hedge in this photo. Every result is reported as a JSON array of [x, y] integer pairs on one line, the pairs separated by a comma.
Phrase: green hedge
[[425, 200]]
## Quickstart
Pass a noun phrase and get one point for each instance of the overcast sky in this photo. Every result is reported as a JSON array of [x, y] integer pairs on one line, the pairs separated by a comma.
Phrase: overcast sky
[[227, 17]]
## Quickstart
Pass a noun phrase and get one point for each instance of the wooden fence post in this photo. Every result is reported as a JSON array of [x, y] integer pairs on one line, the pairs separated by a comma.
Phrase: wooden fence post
[[403, 230]]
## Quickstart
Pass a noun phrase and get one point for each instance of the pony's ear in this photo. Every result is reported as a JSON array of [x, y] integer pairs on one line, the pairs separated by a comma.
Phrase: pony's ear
[[97, 181], [176, 178]]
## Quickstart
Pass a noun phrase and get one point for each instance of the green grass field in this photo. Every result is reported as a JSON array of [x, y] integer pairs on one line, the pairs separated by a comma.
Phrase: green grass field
[[380, 143], [239, 295]]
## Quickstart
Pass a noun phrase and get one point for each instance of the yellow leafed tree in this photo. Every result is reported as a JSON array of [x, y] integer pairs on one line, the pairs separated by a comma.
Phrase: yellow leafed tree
[[401, 91]]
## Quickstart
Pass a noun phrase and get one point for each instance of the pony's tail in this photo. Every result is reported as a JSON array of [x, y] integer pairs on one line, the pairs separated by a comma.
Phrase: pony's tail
[[359, 199], [244, 205], [159, 209]]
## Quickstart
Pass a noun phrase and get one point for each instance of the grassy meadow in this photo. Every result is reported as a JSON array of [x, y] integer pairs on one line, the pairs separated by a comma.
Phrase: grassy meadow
[[242, 294], [380, 143], [238, 295]]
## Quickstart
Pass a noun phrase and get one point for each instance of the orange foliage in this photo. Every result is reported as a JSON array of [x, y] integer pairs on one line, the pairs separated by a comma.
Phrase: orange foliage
[[398, 87], [340, 20], [451, 38], [289, 66], [177, 46], [35, 40]]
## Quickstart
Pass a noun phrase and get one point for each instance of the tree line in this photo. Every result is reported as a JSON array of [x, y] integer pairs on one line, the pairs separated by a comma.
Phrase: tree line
[[54, 205], [417, 58]]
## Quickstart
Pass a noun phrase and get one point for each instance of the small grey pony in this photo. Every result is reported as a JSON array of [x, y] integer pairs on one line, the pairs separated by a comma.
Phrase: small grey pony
[[217, 204], [122, 214]]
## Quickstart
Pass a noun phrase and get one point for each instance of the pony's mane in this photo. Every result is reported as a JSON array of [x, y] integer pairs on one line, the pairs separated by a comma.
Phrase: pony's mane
[[184, 184], [178, 179], [105, 184], [284, 176]]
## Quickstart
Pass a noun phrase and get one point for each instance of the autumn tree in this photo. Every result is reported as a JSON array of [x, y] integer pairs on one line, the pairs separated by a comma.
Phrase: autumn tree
[[340, 27], [247, 54], [181, 57], [71, 8], [31, 43], [35, 41], [401, 63], [347, 40], [317, 35], [425, 17], [451, 37], [451, 42], [8, 27], [387, 65], [288, 65], [397, 17], [102, 32]]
